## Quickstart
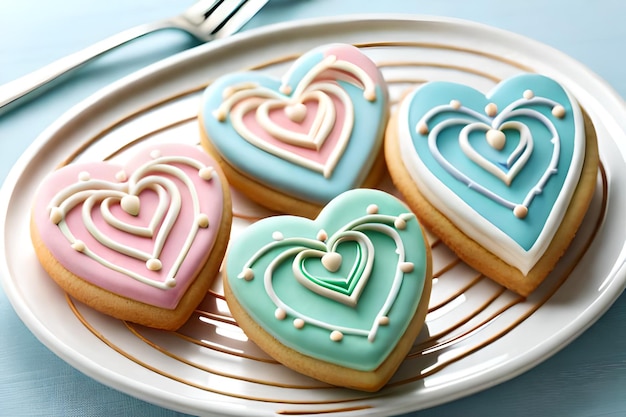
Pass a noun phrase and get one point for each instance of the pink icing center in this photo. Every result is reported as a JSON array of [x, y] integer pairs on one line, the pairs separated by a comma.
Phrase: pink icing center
[[279, 117]]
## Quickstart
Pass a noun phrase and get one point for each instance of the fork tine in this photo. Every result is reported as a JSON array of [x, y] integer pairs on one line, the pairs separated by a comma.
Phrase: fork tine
[[200, 10], [230, 15]]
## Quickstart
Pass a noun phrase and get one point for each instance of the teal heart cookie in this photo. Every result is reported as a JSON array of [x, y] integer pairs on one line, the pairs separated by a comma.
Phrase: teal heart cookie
[[502, 166], [342, 288], [312, 134]]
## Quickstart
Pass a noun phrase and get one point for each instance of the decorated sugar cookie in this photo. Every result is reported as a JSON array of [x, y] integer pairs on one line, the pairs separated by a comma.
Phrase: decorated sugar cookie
[[340, 298], [503, 178], [141, 242], [294, 143]]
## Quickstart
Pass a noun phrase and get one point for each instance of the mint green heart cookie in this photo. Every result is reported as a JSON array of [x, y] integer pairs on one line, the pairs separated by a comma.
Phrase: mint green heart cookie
[[345, 289]]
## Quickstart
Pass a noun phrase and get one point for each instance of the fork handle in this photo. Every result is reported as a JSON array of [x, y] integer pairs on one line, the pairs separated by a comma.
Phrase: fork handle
[[18, 91]]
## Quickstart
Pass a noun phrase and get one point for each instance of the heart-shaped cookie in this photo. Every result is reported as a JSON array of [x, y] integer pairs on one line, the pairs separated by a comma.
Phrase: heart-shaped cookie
[[143, 232], [309, 136], [340, 298], [501, 168]]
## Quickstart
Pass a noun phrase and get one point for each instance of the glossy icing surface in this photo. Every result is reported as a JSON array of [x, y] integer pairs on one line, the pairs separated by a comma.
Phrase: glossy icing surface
[[341, 288], [142, 230], [502, 167], [306, 133]]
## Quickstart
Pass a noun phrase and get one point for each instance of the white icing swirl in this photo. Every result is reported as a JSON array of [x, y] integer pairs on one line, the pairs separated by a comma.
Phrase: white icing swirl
[[89, 192], [246, 97], [500, 122], [297, 248], [366, 249]]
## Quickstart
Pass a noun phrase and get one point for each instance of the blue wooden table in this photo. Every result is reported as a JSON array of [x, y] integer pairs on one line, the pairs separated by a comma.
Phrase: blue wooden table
[[587, 378]]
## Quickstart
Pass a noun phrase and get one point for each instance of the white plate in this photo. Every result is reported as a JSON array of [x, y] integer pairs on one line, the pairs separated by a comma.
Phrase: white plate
[[478, 334]]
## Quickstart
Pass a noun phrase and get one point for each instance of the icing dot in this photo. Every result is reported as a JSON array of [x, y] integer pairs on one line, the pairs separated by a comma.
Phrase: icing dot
[[280, 314], [155, 153], [154, 264], [206, 173], [121, 176], [422, 128], [84, 176], [332, 261], [247, 274], [285, 89], [170, 282], [558, 111], [336, 336], [79, 246], [455, 104], [406, 267], [528, 94], [130, 204], [372, 209], [296, 112], [56, 215], [369, 95], [298, 323], [203, 221], [399, 223], [496, 139], [520, 211], [277, 236], [491, 109], [220, 115], [322, 235], [383, 320]]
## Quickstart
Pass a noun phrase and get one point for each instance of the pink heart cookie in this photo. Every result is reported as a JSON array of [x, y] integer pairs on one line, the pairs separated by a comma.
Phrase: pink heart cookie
[[141, 242]]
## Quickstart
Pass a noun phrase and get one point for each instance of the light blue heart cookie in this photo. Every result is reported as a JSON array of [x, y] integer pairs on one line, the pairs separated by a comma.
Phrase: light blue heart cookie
[[342, 288], [502, 166], [313, 134]]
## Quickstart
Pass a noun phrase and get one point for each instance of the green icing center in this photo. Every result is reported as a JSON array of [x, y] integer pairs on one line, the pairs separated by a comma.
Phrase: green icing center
[[342, 270]]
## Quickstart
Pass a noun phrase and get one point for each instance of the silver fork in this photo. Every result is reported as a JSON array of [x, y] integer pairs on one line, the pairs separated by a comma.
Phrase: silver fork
[[206, 20]]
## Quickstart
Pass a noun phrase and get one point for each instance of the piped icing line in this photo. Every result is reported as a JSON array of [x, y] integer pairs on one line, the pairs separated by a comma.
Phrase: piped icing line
[[501, 121], [157, 183], [279, 240], [319, 131], [143, 231], [245, 97], [401, 269], [295, 247], [331, 62], [514, 163], [519, 246], [89, 192], [315, 138], [361, 270]]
